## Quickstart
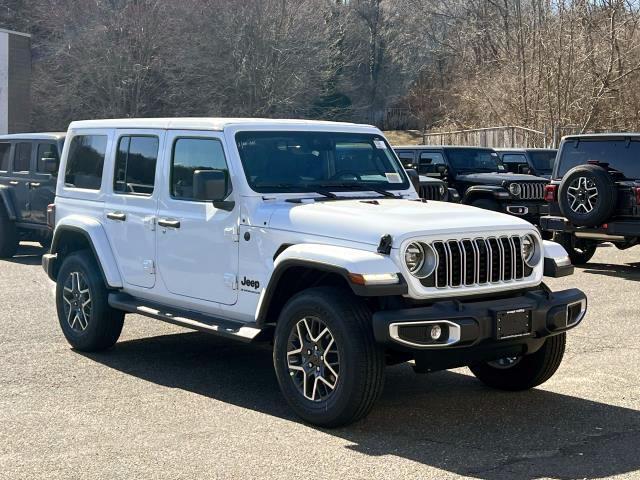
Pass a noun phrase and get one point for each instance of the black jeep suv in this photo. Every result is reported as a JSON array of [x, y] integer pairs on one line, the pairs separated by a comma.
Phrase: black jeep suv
[[480, 178], [533, 161], [28, 168], [594, 195]]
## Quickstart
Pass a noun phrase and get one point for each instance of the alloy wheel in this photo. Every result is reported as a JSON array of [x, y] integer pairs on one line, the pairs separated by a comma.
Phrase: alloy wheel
[[313, 359], [582, 194], [77, 301]]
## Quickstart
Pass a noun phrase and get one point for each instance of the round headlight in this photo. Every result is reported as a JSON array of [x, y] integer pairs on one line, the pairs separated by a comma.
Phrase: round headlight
[[529, 250], [414, 257], [515, 189], [420, 259]]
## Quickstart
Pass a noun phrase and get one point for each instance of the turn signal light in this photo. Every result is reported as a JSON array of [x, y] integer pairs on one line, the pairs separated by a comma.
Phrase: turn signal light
[[550, 192]]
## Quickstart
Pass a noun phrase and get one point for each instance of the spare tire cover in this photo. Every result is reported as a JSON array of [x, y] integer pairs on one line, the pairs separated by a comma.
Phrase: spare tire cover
[[587, 195]]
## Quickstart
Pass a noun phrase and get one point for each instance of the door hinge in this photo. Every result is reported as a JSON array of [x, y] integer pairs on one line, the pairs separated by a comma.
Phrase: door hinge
[[149, 267], [232, 232], [231, 281]]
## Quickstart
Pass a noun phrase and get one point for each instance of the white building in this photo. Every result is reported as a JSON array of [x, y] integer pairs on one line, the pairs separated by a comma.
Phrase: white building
[[15, 82]]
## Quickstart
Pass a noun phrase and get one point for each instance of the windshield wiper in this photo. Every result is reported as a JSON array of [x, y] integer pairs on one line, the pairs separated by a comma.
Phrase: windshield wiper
[[288, 188], [361, 188]]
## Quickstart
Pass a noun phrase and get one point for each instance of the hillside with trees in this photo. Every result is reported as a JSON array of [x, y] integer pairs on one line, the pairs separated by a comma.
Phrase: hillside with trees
[[427, 64]]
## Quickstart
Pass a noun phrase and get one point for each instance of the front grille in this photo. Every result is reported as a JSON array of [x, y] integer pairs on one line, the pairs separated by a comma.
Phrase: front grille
[[430, 192], [479, 261], [532, 191]]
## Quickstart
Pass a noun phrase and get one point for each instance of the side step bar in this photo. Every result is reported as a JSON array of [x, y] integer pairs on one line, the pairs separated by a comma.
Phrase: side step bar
[[185, 318]]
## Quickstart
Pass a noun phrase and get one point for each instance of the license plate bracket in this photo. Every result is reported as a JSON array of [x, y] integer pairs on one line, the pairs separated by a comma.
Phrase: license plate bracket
[[513, 323]]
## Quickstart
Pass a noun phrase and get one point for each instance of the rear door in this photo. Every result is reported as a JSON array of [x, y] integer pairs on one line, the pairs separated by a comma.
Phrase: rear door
[[23, 153], [5, 162], [132, 202], [42, 187]]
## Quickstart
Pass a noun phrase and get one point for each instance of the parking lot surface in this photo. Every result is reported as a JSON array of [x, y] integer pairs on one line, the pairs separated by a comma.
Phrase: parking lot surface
[[170, 403]]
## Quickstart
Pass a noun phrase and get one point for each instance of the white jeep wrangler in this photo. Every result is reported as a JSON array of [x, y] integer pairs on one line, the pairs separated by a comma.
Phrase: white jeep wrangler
[[308, 234]]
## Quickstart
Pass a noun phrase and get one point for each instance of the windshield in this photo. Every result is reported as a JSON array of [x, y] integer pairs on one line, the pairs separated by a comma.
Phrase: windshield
[[474, 160], [543, 160], [276, 162], [621, 154]]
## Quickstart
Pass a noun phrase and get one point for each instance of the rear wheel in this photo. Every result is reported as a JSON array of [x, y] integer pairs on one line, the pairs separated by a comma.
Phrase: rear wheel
[[580, 250], [523, 373], [88, 322], [328, 365], [8, 235]]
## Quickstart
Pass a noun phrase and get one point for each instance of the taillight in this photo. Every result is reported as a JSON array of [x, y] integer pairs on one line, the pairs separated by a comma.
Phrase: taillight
[[637, 195], [550, 193], [51, 215]]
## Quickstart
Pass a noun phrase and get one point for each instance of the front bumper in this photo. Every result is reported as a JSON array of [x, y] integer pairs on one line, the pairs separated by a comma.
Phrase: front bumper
[[471, 328]]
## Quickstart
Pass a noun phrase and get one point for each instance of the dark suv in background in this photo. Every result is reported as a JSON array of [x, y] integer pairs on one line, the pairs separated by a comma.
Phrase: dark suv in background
[[479, 177], [594, 196], [28, 170], [532, 161]]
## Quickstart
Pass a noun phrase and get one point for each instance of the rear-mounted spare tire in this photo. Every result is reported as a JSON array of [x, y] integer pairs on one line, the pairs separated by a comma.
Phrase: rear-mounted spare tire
[[587, 195]]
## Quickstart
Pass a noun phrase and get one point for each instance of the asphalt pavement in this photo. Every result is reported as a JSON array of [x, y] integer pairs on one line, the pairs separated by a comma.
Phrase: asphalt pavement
[[167, 403]]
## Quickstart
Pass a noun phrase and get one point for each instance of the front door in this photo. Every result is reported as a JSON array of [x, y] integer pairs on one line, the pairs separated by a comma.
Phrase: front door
[[42, 188], [131, 207], [197, 242], [20, 178]]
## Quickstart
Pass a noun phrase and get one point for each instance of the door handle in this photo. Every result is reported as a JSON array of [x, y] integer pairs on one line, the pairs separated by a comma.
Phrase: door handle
[[14, 182], [34, 184], [118, 216], [167, 223]]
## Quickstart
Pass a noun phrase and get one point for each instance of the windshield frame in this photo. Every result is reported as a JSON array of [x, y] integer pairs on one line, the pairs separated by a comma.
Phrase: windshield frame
[[337, 185]]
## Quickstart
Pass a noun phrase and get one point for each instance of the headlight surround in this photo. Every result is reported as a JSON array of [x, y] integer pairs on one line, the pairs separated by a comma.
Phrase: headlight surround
[[529, 250], [420, 259], [515, 189]]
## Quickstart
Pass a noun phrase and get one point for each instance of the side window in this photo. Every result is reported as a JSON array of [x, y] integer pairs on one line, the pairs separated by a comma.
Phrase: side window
[[431, 158], [46, 150], [189, 155], [135, 168], [86, 161], [5, 151], [406, 157], [22, 157], [513, 161]]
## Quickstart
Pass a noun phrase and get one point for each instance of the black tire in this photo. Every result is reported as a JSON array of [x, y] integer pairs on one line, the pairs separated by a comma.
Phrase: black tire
[[361, 361], [487, 204], [529, 371], [9, 239], [96, 326], [575, 204], [580, 250]]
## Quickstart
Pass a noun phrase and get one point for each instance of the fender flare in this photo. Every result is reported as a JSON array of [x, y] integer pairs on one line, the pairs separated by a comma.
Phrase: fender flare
[[556, 260], [495, 191], [333, 259], [5, 196], [96, 237]]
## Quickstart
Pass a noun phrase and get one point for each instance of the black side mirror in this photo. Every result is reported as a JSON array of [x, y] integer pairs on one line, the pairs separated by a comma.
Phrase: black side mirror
[[49, 165], [212, 186], [415, 178], [524, 169]]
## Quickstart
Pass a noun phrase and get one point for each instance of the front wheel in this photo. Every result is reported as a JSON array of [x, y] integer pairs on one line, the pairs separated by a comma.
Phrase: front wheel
[[88, 322], [328, 365], [580, 250], [523, 373]]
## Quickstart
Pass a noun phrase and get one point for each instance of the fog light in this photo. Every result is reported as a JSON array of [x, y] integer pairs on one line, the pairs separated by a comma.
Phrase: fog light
[[436, 332]]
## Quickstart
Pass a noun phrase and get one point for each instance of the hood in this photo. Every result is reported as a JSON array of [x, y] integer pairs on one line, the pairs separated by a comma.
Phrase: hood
[[496, 178], [366, 221]]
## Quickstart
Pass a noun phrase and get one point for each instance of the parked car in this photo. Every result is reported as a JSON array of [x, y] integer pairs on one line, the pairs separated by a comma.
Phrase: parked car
[[480, 178], [262, 229], [532, 161], [428, 188], [595, 193], [28, 170]]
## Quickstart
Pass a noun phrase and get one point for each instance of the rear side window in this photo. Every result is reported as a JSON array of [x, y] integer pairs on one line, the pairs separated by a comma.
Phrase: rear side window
[[46, 150], [86, 161], [405, 157], [135, 168], [22, 157], [189, 155], [5, 150], [621, 154]]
